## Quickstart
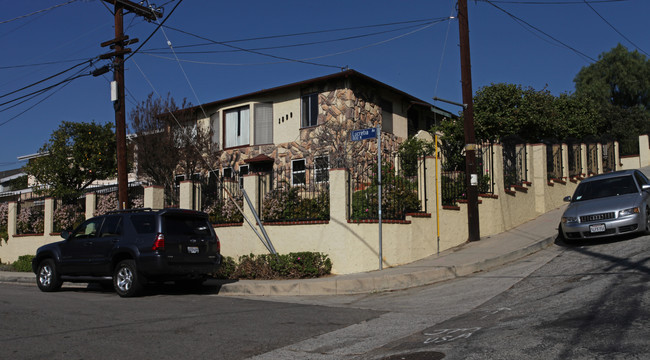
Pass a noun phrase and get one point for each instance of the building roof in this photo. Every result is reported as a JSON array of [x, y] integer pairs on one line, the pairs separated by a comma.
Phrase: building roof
[[332, 77]]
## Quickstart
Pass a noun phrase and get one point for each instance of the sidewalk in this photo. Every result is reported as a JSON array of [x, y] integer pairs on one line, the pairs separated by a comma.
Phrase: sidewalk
[[464, 260]]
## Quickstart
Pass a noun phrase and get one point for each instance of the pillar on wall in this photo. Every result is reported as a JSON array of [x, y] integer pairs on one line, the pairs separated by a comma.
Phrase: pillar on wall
[[432, 195], [644, 150], [12, 216], [251, 186], [599, 158], [154, 197], [190, 195], [497, 171], [584, 171], [338, 196], [48, 218], [539, 173], [91, 204], [565, 162]]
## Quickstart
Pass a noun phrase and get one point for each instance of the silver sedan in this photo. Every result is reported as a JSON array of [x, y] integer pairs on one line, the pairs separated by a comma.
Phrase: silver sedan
[[607, 205]]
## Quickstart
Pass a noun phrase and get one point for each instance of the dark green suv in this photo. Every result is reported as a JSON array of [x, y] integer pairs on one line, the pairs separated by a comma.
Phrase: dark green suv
[[131, 248]]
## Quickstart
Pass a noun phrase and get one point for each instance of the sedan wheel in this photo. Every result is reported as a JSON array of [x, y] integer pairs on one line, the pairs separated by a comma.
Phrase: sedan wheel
[[126, 280]]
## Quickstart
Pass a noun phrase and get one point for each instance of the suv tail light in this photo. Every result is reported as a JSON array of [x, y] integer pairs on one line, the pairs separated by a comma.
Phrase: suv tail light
[[159, 243], [218, 245]]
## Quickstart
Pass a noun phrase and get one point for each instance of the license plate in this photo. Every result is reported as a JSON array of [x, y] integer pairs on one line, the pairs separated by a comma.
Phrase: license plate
[[192, 249], [597, 228]]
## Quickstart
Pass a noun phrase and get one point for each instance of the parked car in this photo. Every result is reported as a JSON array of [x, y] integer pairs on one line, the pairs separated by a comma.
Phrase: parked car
[[130, 248], [608, 205]]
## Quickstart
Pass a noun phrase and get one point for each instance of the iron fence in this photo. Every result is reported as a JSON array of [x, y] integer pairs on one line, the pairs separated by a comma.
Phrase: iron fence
[[217, 196], [296, 193], [515, 164], [575, 160], [592, 159], [609, 157], [31, 216], [453, 182], [554, 163], [400, 193]]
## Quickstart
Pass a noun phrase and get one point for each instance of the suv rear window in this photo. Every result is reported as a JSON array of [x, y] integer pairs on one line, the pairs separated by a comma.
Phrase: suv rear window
[[183, 225], [144, 224]]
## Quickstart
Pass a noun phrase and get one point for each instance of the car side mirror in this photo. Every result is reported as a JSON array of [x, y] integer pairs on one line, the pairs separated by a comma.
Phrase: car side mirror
[[645, 187], [65, 234], [567, 198]]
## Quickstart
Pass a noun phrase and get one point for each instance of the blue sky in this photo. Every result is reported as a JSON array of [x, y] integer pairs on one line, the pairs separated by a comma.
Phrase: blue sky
[[410, 45]]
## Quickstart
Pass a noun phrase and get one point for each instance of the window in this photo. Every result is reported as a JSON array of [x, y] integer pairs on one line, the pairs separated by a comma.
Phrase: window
[[321, 168], [236, 126], [243, 170], [298, 173], [144, 224], [386, 115], [263, 124], [88, 229], [112, 226], [227, 173], [309, 110]]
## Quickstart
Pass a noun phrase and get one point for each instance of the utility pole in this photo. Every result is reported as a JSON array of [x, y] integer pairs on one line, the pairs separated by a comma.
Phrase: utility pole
[[471, 177], [118, 45]]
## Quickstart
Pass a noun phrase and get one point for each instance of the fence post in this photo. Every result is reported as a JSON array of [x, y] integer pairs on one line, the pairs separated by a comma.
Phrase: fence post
[[251, 186], [584, 170], [48, 217], [12, 216], [154, 197], [186, 195], [338, 195], [497, 171], [91, 204], [599, 158], [539, 176], [644, 151], [565, 161]]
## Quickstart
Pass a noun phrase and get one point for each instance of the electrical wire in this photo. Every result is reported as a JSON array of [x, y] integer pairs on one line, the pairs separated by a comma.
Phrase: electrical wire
[[180, 65], [615, 29], [37, 12], [442, 53], [47, 78], [286, 46], [304, 60], [523, 22], [570, 2]]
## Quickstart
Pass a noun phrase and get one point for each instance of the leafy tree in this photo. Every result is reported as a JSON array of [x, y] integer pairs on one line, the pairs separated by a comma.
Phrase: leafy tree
[[76, 155], [619, 77], [168, 141], [619, 84]]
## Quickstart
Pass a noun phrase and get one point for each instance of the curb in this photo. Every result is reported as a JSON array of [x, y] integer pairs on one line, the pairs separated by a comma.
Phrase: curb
[[373, 284]]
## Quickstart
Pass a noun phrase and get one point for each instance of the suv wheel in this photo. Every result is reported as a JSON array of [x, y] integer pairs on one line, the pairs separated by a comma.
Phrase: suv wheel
[[126, 280], [47, 278]]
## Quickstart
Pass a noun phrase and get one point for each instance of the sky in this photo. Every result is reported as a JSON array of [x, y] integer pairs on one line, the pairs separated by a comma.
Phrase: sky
[[222, 49]]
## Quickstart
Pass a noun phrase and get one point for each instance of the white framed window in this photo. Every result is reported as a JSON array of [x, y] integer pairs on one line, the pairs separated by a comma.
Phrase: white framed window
[[236, 127], [263, 124], [298, 172], [322, 168], [309, 104]]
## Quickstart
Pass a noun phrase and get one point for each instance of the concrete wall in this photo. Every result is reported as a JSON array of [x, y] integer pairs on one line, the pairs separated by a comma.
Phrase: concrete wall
[[354, 247]]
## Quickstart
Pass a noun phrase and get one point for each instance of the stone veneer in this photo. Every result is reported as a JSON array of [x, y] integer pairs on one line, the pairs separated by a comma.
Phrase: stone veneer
[[341, 108]]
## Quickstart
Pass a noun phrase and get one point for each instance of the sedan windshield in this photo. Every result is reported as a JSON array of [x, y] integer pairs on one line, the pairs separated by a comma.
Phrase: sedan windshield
[[605, 188]]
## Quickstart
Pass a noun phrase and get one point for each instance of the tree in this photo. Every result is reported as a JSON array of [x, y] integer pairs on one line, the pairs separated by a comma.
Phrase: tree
[[620, 78], [168, 140], [619, 84], [76, 155]]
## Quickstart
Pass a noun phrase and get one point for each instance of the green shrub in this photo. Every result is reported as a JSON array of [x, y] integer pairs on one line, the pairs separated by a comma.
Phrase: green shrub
[[23, 264], [289, 266]]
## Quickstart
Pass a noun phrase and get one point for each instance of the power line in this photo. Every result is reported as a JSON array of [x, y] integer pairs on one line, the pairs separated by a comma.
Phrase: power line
[[615, 29], [522, 22], [43, 80], [569, 2], [37, 12], [286, 46]]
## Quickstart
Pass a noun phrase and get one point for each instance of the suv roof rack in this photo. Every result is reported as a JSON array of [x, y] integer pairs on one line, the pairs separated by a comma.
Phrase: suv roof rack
[[128, 210]]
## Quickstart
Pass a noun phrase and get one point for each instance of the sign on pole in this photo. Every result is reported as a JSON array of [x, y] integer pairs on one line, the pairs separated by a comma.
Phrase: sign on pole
[[371, 133]]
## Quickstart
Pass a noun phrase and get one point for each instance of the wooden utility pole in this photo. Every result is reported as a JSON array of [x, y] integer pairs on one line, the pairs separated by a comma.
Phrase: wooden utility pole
[[471, 176], [118, 45]]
